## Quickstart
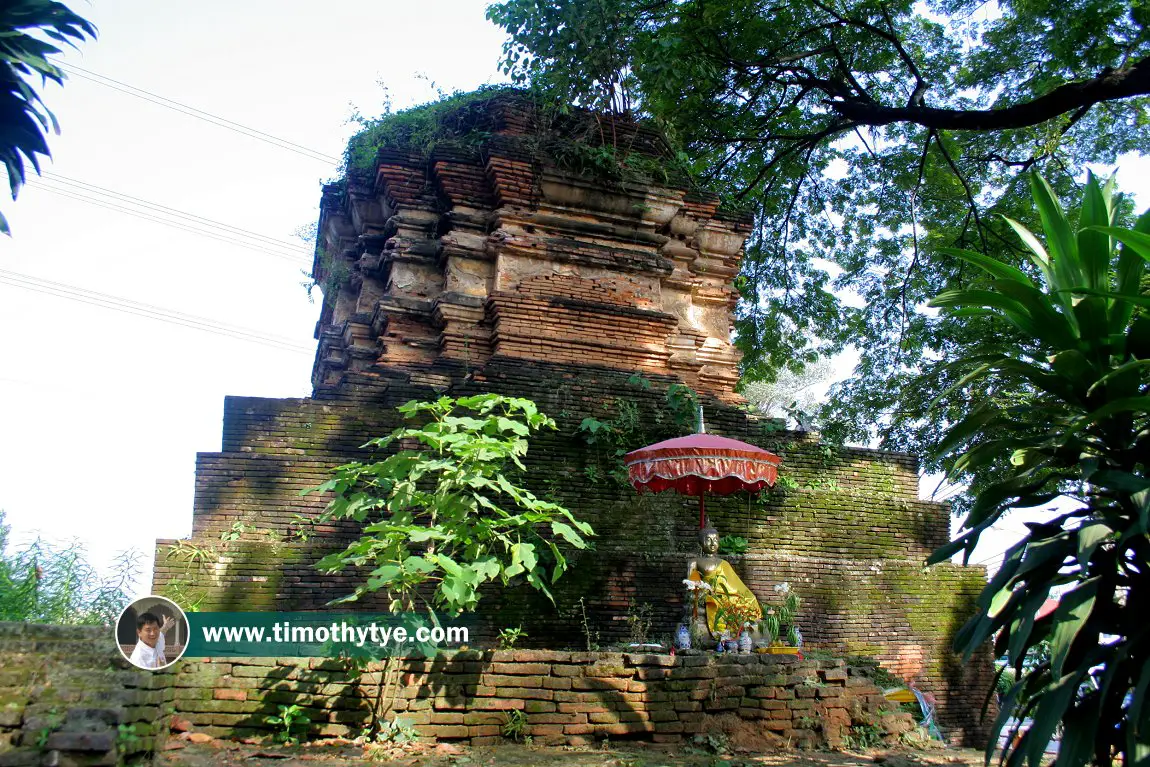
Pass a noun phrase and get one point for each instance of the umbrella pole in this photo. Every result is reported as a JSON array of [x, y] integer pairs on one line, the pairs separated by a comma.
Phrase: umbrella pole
[[702, 512]]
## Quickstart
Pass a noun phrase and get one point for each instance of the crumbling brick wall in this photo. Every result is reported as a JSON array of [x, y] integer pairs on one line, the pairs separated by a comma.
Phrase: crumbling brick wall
[[565, 696], [67, 696]]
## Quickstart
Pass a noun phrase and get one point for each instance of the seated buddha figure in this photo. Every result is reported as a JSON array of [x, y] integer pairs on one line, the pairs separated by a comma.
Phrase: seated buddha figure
[[727, 588]]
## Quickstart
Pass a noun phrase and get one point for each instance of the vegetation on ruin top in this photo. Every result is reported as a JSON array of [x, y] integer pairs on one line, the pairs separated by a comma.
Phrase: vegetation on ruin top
[[611, 149]]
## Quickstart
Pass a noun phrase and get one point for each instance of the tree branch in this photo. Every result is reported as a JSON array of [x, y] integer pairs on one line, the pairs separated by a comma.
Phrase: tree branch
[[966, 188], [914, 203], [803, 143], [1110, 85]]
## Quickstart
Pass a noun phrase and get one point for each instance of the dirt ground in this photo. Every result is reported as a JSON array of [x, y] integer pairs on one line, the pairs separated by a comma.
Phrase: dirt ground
[[634, 754]]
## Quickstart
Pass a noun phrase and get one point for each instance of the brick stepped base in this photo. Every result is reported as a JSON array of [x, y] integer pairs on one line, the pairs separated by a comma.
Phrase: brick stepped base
[[565, 696], [846, 528]]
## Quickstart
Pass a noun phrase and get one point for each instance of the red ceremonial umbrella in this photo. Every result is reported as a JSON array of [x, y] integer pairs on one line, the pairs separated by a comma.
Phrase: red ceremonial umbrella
[[701, 463]]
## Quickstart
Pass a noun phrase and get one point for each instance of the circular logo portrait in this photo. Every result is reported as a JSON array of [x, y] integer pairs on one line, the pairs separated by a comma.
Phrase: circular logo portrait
[[152, 632]]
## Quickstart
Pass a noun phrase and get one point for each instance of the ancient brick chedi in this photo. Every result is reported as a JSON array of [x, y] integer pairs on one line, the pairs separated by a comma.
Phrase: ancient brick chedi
[[488, 249], [481, 252]]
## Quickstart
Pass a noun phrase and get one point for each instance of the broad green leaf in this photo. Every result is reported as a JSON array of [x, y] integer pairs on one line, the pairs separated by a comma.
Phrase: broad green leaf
[[992, 266], [1125, 405], [386, 574], [1094, 246], [1048, 713], [1073, 365], [1093, 321], [419, 565], [1012, 310], [1079, 728], [1050, 326], [567, 533], [999, 601], [1060, 238], [1131, 299], [1036, 252], [450, 566], [1020, 623], [1137, 241], [1089, 537], [1005, 712], [524, 553], [1069, 617], [1131, 267], [422, 535], [456, 593], [1138, 718], [973, 424], [508, 424], [332, 563], [1130, 367], [486, 568]]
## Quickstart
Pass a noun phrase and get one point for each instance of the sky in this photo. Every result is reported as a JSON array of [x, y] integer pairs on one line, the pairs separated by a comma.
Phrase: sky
[[101, 411]]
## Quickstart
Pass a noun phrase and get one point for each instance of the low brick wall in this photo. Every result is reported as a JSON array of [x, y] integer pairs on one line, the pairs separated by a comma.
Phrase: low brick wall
[[68, 697], [565, 696]]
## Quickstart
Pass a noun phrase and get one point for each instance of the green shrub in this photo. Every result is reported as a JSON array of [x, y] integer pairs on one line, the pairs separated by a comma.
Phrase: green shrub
[[46, 582], [733, 544]]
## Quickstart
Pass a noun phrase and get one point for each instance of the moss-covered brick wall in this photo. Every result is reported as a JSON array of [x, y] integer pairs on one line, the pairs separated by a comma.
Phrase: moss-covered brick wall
[[845, 527], [68, 697], [565, 696]]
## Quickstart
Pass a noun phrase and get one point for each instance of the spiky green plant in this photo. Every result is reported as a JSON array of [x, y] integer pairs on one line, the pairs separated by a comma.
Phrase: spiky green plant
[[1083, 427], [23, 116]]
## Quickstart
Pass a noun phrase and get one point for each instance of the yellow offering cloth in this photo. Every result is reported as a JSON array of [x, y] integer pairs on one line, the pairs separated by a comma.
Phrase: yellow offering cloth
[[728, 588]]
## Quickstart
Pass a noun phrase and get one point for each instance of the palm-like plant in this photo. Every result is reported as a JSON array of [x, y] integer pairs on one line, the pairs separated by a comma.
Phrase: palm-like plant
[[1084, 427], [23, 116]]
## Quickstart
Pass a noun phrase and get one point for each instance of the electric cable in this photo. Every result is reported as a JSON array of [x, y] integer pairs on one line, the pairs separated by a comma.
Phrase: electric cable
[[248, 337], [199, 114], [87, 187], [109, 205], [150, 311]]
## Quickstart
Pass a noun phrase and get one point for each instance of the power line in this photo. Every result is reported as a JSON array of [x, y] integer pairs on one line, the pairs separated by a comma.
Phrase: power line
[[202, 231], [149, 311], [82, 300], [199, 114], [248, 337], [127, 301], [51, 284], [73, 195], [235, 333], [100, 190], [992, 558]]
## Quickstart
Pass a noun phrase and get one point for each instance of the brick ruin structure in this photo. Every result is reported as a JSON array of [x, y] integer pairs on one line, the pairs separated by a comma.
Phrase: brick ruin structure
[[500, 259]]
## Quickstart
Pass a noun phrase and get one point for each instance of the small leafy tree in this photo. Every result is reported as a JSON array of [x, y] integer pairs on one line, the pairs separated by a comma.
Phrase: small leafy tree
[[1082, 426], [443, 515]]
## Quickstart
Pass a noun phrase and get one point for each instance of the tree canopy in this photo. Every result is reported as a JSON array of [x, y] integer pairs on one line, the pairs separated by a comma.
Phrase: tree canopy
[[867, 135], [23, 117]]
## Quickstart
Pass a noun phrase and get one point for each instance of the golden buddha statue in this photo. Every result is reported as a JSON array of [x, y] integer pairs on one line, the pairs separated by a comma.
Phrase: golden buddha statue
[[727, 591]]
